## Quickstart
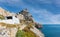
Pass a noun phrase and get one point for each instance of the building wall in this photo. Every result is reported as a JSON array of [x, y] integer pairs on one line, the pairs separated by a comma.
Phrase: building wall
[[11, 21]]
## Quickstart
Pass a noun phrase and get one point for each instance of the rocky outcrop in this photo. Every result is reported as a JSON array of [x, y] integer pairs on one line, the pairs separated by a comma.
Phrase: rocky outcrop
[[25, 22], [28, 17], [6, 31], [5, 13], [37, 32]]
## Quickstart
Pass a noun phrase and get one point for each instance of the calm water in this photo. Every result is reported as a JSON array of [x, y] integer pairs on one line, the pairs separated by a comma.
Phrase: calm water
[[51, 30]]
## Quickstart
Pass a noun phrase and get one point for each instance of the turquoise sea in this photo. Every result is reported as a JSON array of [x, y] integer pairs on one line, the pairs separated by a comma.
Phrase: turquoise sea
[[51, 30]]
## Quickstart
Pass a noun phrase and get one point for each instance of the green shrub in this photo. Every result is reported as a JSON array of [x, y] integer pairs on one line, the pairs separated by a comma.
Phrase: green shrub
[[1, 17], [21, 33]]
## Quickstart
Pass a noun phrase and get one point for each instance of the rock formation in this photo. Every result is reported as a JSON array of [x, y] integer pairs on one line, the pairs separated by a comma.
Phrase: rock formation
[[5, 13], [26, 26]]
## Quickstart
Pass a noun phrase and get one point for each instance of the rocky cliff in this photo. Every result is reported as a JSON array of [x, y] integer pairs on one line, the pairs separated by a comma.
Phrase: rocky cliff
[[5, 12], [26, 27]]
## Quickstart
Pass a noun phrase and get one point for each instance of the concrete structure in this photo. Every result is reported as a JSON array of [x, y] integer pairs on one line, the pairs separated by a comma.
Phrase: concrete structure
[[13, 20]]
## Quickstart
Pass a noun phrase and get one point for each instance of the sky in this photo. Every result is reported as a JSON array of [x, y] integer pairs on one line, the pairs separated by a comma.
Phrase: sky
[[43, 11]]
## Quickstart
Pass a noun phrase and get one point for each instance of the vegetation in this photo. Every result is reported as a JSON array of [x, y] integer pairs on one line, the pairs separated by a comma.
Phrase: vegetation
[[25, 33], [1, 17], [21, 33], [10, 25]]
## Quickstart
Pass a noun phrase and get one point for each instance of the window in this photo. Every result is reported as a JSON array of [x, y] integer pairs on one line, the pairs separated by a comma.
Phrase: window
[[9, 17]]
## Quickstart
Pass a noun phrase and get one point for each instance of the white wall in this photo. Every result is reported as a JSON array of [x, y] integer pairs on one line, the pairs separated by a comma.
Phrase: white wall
[[11, 21]]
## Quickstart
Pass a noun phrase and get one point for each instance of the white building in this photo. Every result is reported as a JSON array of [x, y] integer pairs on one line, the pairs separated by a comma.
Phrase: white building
[[10, 20]]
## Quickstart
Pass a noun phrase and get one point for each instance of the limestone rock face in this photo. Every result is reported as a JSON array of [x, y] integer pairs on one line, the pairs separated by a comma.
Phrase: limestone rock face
[[25, 20], [7, 32], [2, 11], [27, 16], [5, 13], [20, 16]]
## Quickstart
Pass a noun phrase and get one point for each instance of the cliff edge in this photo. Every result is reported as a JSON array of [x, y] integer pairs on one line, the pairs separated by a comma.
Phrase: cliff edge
[[21, 24]]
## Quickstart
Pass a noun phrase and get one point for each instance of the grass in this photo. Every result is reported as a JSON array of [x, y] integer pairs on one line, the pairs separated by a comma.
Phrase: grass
[[10, 25], [1, 17], [29, 32], [21, 33], [25, 33]]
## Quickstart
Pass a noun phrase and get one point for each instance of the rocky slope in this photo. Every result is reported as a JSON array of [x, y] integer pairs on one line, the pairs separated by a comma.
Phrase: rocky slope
[[26, 28], [5, 13]]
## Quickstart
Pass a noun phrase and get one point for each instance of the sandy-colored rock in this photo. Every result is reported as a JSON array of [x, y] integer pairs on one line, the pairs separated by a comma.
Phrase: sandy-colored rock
[[5, 13]]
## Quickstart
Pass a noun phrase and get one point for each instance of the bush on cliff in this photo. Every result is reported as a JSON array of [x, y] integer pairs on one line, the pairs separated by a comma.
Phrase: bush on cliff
[[1, 17], [21, 33]]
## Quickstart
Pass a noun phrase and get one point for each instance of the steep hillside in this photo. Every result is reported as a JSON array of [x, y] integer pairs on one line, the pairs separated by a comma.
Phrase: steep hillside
[[5, 12], [25, 28]]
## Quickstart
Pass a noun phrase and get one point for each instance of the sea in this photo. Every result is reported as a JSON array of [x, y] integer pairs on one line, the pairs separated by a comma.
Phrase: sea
[[51, 30]]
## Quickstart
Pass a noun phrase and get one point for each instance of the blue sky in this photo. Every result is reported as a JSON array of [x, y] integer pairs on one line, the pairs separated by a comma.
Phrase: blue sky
[[43, 11]]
